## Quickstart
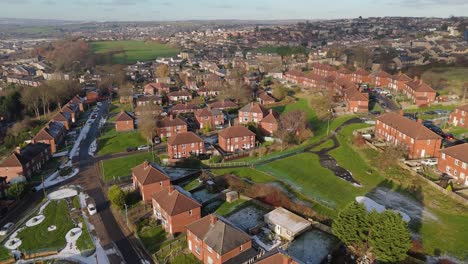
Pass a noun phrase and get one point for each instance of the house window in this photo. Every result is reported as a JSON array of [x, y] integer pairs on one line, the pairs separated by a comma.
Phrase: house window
[[197, 250], [455, 173], [428, 142], [183, 146], [160, 184], [457, 162], [190, 212], [192, 145], [241, 248], [236, 140], [464, 165], [443, 156], [412, 141], [209, 249]]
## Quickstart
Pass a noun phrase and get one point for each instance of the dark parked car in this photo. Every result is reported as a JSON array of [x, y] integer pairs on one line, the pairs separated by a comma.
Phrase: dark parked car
[[375, 112], [131, 149]]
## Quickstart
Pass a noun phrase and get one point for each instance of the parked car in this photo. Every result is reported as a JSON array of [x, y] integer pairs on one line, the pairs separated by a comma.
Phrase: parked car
[[429, 162], [375, 112], [449, 136], [131, 149], [92, 209], [7, 227], [143, 147], [156, 140]]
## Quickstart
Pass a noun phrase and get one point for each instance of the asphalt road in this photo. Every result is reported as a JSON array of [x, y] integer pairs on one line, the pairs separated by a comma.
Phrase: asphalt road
[[105, 224], [390, 105]]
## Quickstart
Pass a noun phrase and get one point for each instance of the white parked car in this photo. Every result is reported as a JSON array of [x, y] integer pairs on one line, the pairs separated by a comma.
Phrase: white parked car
[[429, 162], [92, 209], [143, 147], [7, 227]]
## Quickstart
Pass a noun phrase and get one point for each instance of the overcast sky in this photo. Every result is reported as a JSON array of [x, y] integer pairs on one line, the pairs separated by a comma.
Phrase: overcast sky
[[137, 10]]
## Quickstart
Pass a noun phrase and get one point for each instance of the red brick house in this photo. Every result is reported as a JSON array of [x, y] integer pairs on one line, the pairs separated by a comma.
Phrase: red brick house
[[209, 91], [182, 145], [124, 122], [92, 97], [398, 82], [72, 110], [214, 241], [209, 117], [179, 96], [170, 126], [269, 124], [381, 79], [360, 76], [223, 105], [454, 162], [294, 76], [64, 118], [183, 108], [149, 178], [418, 140], [324, 70], [265, 99], [52, 134], [345, 74], [143, 101], [175, 209], [459, 116], [277, 256], [156, 88], [25, 161], [252, 112], [78, 101], [356, 101], [236, 138], [421, 93]]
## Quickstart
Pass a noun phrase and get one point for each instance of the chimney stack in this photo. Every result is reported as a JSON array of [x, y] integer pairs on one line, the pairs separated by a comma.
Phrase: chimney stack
[[213, 219], [171, 189]]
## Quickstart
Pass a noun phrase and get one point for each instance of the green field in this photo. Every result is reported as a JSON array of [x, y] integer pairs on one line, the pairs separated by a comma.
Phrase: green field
[[122, 167], [112, 141], [38, 238], [133, 50], [85, 242], [451, 79]]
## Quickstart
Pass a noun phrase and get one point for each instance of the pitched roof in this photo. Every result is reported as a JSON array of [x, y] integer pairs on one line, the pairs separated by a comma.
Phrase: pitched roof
[[463, 108], [401, 77], [26, 154], [43, 135], [361, 72], [276, 256], [184, 138], [123, 116], [208, 112], [174, 202], [148, 173], [60, 116], [408, 127], [236, 131], [459, 152], [271, 118], [254, 108], [223, 104], [419, 86], [179, 93], [266, 97], [217, 234], [189, 106], [168, 122]]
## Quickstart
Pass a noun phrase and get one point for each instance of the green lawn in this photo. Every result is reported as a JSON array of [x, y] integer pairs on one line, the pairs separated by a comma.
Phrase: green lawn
[[226, 208], [122, 167], [249, 173], [192, 185], [457, 131], [185, 259], [38, 238], [4, 253], [112, 141], [116, 107], [310, 178], [431, 107], [450, 78], [134, 50], [151, 235], [85, 242]]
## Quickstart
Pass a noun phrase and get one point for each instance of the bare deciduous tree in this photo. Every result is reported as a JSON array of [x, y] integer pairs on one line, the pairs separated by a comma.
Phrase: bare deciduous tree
[[162, 71], [293, 127], [30, 99]]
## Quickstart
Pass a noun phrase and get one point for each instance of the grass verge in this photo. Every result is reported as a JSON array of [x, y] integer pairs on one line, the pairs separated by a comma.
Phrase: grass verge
[[122, 167]]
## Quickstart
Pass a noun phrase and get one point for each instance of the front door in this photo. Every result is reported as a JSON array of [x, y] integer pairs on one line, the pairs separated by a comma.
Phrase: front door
[[423, 153]]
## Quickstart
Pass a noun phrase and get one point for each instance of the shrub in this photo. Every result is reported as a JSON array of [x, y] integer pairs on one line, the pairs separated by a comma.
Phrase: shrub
[[18, 190], [116, 196], [216, 159]]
